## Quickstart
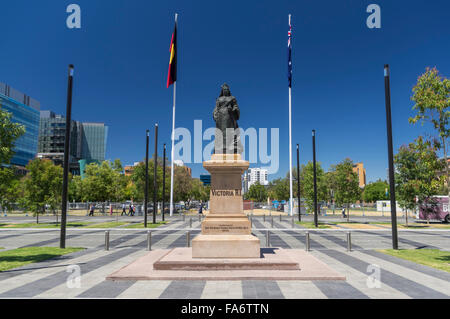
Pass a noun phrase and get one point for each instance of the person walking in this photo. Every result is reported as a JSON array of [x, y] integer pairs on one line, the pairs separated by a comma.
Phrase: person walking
[[124, 210], [200, 209], [343, 213], [130, 210], [91, 211]]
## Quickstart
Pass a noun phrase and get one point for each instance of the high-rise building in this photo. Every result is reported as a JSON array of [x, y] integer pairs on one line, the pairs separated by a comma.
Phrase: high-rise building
[[359, 169], [94, 138], [87, 141], [25, 111], [257, 175]]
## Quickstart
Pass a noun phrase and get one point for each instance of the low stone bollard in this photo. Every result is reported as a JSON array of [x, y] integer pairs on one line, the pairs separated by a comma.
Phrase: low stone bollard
[[107, 240]]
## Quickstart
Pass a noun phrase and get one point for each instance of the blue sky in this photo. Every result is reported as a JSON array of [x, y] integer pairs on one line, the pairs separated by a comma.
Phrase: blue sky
[[121, 58]]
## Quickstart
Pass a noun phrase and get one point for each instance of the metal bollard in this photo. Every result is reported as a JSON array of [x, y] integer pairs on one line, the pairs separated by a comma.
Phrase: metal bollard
[[349, 241], [272, 221], [188, 239], [267, 239], [149, 240], [107, 240], [184, 217], [199, 217], [308, 244], [280, 218], [190, 222], [292, 222], [264, 217]]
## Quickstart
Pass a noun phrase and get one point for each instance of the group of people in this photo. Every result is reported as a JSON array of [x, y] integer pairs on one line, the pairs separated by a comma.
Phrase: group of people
[[131, 210]]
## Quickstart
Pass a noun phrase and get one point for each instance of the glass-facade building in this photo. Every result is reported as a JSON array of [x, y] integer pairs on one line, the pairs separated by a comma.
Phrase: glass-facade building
[[25, 111], [87, 141], [94, 140]]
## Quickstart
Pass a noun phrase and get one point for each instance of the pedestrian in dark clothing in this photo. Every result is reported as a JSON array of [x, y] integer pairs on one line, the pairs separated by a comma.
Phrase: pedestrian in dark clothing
[[91, 211], [124, 210], [130, 210], [343, 213], [200, 210]]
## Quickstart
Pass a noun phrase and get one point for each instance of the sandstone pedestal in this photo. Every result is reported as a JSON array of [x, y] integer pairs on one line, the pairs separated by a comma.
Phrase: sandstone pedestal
[[226, 231]]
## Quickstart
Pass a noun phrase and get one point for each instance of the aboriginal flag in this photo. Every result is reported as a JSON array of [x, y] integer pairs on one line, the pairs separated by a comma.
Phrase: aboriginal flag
[[172, 77]]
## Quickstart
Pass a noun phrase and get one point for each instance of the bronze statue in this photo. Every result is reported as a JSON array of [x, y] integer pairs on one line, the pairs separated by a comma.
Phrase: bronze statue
[[226, 114]]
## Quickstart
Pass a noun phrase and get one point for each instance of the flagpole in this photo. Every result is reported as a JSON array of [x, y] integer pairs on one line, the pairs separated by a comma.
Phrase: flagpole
[[173, 138], [290, 147], [173, 147]]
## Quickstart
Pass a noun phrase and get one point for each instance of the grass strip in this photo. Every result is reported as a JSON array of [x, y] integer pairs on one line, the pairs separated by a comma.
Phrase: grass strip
[[435, 258], [14, 258]]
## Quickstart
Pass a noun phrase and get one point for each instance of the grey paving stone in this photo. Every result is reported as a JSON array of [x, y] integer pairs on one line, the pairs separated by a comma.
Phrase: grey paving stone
[[257, 289], [184, 289], [339, 290], [39, 286], [107, 289]]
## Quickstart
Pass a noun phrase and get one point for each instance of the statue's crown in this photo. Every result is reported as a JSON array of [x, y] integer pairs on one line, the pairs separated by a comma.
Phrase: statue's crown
[[225, 86]]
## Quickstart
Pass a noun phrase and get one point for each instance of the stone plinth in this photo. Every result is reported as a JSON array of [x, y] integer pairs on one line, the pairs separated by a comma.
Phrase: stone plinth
[[226, 231]]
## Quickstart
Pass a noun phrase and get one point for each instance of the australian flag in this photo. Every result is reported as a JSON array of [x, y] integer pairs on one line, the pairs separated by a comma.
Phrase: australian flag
[[290, 53]]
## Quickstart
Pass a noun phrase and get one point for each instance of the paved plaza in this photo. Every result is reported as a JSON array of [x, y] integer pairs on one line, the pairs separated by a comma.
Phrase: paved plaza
[[398, 278]]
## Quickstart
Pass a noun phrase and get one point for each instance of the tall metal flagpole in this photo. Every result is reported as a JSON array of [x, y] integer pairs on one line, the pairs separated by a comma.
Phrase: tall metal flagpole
[[291, 210], [173, 136]]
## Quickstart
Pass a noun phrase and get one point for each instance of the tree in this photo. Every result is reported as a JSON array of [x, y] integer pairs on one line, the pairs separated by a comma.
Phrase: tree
[[307, 183], [417, 166], [279, 189], [42, 186], [376, 191], [138, 179], [9, 133], [257, 193], [9, 188], [103, 182], [347, 185], [431, 95]]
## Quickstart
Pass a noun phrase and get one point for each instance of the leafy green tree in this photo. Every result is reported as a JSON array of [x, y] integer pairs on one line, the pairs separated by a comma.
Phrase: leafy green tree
[[102, 183], [417, 166], [278, 189], [431, 96], [42, 186], [9, 188], [9, 133], [307, 181], [347, 184], [198, 190], [257, 193], [376, 191]]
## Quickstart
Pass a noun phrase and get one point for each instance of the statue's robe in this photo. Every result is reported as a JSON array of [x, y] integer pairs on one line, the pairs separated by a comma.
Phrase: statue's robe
[[226, 114]]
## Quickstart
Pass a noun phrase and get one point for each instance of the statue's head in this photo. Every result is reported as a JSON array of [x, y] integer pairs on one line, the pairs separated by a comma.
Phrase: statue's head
[[225, 90]]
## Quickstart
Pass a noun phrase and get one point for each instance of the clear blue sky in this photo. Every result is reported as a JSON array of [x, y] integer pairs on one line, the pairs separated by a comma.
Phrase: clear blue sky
[[121, 58]]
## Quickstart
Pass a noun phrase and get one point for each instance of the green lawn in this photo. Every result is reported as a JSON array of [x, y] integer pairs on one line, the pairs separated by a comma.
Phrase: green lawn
[[106, 225], [429, 257], [44, 225], [22, 256], [312, 225], [149, 225]]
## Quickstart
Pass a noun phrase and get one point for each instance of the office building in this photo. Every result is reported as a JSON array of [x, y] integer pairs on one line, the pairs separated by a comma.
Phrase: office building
[[25, 111], [256, 175], [87, 141], [205, 179]]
